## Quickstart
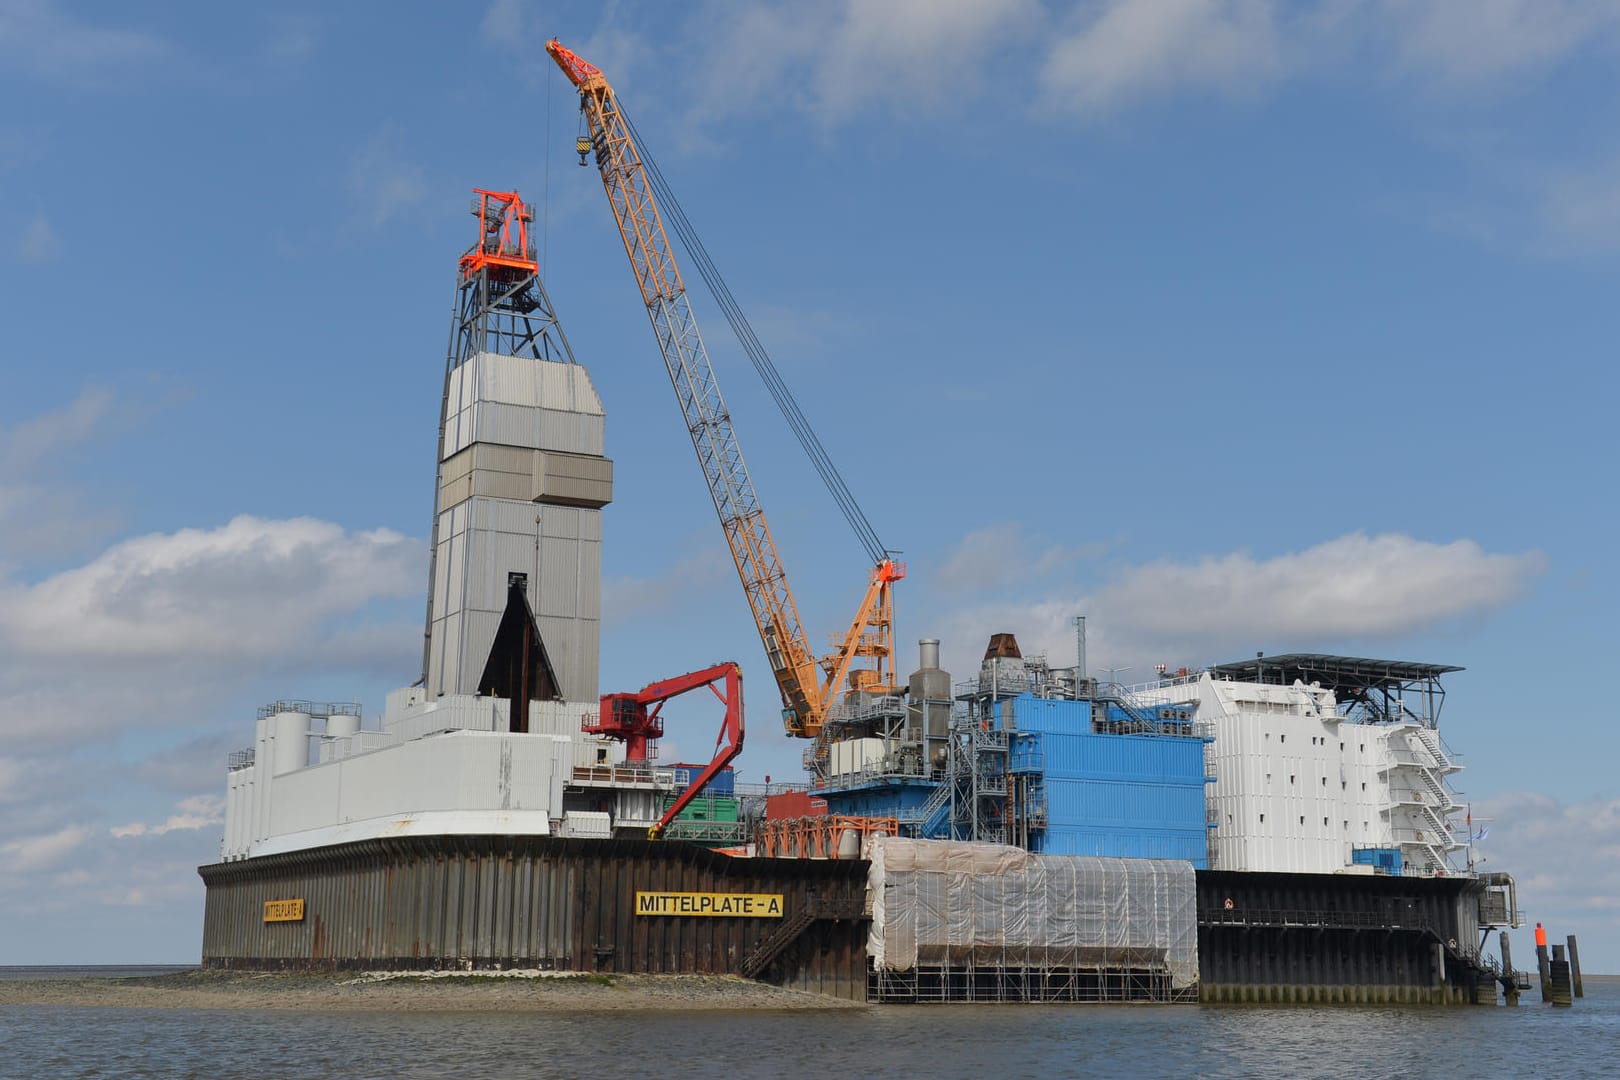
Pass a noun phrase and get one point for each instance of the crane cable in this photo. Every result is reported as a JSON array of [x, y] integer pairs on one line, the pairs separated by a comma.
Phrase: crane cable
[[757, 353]]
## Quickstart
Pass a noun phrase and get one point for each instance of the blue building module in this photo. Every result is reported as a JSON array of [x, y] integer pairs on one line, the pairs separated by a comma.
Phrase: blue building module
[[1122, 795], [723, 785], [892, 798]]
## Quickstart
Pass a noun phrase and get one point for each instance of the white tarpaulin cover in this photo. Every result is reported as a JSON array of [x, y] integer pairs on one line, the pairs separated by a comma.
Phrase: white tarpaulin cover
[[948, 903]]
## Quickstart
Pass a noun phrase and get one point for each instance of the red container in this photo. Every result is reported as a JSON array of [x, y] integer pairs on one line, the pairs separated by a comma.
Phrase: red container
[[793, 804]]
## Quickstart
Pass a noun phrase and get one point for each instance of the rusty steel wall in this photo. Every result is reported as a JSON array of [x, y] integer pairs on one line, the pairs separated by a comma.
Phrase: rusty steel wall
[[511, 901]]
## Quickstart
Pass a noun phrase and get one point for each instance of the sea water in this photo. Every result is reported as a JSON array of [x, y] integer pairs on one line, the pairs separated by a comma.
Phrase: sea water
[[1000, 1041]]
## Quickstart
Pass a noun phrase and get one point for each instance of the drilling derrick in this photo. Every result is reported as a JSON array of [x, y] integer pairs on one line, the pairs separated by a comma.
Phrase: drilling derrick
[[514, 582]]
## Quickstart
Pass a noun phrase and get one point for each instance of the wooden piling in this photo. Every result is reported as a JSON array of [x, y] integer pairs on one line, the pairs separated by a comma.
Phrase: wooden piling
[[1558, 968], [1575, 967], [1510, 987]]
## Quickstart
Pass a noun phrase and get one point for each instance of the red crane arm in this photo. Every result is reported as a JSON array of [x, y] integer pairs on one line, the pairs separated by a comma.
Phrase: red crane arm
[[730, 741], [634, 717]]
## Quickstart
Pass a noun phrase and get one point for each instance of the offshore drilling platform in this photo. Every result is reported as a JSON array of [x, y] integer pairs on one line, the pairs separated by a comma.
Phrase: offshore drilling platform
[[1277, 829]]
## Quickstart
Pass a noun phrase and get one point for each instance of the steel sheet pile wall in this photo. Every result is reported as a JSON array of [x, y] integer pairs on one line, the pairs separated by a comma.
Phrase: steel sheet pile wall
[[488, 902], [1338, 938], [957, 906]]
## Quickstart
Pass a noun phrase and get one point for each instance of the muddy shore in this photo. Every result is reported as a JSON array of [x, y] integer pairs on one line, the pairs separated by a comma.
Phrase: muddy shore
[[414, 992]]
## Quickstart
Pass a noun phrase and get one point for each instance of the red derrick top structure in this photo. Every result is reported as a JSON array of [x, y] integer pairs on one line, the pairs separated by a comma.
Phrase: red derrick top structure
[[503, 234]]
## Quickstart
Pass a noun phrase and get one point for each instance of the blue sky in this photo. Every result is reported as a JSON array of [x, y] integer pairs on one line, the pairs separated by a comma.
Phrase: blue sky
[[1235, 326]]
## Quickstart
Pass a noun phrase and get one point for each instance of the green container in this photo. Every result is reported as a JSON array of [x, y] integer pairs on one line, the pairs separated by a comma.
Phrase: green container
[[706, 808]]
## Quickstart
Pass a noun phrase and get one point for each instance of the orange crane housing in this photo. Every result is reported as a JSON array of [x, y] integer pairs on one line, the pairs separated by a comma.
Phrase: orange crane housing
[[861, 658]]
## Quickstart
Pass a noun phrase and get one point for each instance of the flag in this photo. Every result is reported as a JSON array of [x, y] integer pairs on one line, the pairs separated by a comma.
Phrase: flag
[[1484, 831]]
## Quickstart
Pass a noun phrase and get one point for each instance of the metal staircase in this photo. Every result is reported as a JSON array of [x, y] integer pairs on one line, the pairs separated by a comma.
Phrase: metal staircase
[[1420, 794], [793, 927], [936, 812]]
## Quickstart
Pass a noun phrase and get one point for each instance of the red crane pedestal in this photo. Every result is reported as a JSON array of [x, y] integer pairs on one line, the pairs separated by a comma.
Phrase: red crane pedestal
[[626, 717]]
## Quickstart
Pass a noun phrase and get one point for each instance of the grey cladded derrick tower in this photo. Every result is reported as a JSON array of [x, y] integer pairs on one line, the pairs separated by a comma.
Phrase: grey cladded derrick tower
[[522, 479]]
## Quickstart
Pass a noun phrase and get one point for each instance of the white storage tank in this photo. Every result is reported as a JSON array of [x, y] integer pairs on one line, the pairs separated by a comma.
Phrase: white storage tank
[[289, 735], [341, 725]]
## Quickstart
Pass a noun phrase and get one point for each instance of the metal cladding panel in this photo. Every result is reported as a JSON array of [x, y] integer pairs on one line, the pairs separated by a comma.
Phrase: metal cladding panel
[[503, 553], [511, 380], [1045, 715], [526, 381], [572, 432], [477, 635], [509, 516], [1136, 844], [498, 901], [447, 565], [560, 521], [590, 580], [887, 802], [524, 426], [1125, 805], [513, 425], [455, 392], [571, 644], [590, 525], [559, 577], [508, 379], [1149, 758], [447, 634], [568, 386]]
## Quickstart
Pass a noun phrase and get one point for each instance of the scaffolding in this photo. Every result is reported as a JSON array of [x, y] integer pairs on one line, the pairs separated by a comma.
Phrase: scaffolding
[[954, 921], [821, 836]]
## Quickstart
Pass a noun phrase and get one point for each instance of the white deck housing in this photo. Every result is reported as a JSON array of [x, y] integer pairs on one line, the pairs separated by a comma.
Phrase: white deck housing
[[1298, 787]]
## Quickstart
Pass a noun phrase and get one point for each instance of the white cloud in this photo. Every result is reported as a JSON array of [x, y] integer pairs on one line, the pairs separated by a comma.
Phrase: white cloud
[[291, 38], [249, 588], [25, 445], [191, 765], [1356, 586], [1579, 210], [914, 50], [38, 38], [1468, 41], [503, 23], [1192, 612], [1114, 53], [39, 243], [624, 598], [17, 149], [1000, 555], [381, 180], [832, 61], [80, 868], [39, 513], [29, 853], [1122, 50], [159, 630], [196, 812], [11, 779]]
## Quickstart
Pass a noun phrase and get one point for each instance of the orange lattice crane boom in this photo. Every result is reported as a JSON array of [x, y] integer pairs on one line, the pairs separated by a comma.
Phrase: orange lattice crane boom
[[861, 657]]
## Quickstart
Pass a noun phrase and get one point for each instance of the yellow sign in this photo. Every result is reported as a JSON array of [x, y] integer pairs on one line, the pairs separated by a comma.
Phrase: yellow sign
[[284, 911], [752, 905]]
